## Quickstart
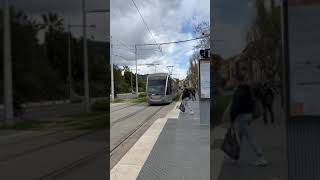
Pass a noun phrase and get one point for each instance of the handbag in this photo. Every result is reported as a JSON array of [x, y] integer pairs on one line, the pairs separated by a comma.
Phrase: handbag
[[181, 107], [230, 145]]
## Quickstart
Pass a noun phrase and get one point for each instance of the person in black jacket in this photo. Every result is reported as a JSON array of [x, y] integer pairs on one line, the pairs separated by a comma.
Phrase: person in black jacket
[[186, 97], [241, 114]]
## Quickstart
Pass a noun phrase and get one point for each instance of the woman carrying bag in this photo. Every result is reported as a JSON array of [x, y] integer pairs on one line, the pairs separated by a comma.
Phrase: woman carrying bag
[[244, 109]]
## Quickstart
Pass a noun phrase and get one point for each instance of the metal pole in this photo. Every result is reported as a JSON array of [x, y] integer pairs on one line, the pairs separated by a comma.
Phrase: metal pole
[[85, 58], [135, 52], [131, 81], [69, 64], [112, 79], [8, 104]]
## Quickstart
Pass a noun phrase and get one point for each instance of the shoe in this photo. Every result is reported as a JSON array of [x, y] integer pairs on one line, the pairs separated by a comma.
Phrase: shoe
[[260, 162], [191, 112]]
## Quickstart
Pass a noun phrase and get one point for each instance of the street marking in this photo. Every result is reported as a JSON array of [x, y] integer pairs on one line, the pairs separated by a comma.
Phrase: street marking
[[132, 162]]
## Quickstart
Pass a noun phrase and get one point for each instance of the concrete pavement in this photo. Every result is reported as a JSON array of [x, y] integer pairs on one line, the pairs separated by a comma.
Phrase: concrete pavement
[[174, 147]]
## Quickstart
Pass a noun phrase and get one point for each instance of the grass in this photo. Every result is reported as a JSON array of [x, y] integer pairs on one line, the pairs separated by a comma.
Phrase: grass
[[88, 121], [222, 103], [138, 100], [118, 101], [92, 120], [27, 125]]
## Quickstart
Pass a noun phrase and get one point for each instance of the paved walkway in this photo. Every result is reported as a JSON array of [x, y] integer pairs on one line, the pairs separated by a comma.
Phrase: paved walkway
[[270, 137], [181, 151]]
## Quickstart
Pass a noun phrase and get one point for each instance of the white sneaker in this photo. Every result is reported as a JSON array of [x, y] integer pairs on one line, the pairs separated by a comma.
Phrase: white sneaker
[[261, 162], [191, 112]]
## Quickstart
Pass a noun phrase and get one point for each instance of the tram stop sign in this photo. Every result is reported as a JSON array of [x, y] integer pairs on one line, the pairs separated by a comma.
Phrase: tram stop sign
[[302, 58], [204, 91], [204, 77]]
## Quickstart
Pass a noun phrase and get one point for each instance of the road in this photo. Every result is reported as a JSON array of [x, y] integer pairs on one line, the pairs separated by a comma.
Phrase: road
[[128, 122]]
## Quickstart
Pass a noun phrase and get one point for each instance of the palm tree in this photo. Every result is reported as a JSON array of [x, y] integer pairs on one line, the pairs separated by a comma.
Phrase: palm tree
[[52, 22]]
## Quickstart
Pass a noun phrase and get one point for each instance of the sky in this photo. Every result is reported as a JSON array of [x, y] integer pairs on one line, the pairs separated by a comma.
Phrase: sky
[[168, 20], [71, 12], [231, 23]]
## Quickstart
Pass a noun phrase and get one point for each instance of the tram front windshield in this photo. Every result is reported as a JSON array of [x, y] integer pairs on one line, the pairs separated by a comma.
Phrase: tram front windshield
[[156, 85]]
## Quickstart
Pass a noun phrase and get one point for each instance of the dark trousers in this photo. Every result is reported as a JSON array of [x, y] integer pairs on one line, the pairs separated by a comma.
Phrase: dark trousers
[[268, 109]]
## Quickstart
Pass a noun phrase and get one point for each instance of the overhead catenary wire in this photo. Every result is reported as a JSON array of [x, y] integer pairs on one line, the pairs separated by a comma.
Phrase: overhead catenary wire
[[174, 42], [124, 58], [124, 44], [146, 25]]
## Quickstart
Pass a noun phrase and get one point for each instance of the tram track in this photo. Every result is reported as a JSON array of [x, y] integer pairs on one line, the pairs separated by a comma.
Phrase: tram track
[[21, 140], [124, 107], [27, 151], [58, 172], [128, 116], [133, 131]]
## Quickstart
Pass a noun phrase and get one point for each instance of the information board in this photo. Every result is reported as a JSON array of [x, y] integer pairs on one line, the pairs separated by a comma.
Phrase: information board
[[304, 57], [204, 71]]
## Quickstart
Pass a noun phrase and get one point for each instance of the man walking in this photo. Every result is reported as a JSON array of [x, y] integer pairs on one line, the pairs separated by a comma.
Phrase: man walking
[[241, 114], [186, 97]]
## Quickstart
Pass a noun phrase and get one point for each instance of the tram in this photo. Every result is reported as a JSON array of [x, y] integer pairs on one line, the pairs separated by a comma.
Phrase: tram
[[161, 89]]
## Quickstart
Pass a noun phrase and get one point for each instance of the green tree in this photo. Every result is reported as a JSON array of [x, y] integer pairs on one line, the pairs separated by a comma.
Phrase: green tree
[[264, 39]]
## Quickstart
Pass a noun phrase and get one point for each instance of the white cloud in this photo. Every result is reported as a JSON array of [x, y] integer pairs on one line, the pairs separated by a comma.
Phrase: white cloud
[[165, 19]]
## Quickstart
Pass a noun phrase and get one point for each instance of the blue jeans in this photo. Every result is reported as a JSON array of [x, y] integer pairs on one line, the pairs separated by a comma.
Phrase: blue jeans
[[243, 130], [186, 103]]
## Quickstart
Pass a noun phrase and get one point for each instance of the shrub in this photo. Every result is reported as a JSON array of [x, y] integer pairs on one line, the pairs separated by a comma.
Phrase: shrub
[[141, 95], [101, 105]]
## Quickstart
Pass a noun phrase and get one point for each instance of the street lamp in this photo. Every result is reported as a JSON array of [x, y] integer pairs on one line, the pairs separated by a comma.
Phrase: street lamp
[[7, 66], [170, 71], [71, 92], [85, 51]]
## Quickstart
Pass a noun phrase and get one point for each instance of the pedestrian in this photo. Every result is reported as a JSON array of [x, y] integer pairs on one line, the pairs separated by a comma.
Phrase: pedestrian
[[193, 93], [241, 114], [186, 97], [267, 103]]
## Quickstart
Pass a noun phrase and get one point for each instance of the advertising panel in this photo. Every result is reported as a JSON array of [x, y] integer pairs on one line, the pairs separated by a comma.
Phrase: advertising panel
[[304, 57]]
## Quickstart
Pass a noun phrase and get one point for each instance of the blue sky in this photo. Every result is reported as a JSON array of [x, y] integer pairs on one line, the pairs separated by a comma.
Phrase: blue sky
[[169, 20]]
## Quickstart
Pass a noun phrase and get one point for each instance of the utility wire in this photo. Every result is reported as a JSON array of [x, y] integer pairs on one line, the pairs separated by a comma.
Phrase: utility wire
[[121, 42], [174, 42], [124, 58], [146, 25]]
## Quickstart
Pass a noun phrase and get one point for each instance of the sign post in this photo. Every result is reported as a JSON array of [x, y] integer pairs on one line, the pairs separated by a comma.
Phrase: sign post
[[302, 58], [302, 86], [204, 91]]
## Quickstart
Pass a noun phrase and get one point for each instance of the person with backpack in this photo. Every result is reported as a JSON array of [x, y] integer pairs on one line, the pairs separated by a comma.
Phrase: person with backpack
[[186, 97], [242, 114]]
